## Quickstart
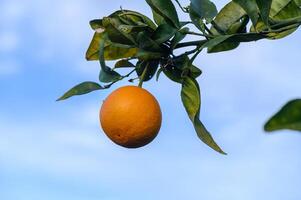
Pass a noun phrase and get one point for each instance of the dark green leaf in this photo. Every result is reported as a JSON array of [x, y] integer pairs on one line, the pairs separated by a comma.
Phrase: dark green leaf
[[289, 117], [148, 55], [152, 67], [179, 67], [298, 2], [236, 27], [232, 39], [246, 37], [224, 46], [166, 9], [251, 8], [196, 20], [173, 73], [163, 33], [123, 64], [264, 7], [195, 71], [179, 36], [182, 62], [216, 41], [81, 89], [116, 32], [190, 95], [158, 18], [158, 73], [146, 43], [106, 74], [205, 9]]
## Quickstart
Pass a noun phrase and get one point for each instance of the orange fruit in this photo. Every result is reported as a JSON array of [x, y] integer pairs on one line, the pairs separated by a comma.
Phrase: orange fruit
[[131, 117]]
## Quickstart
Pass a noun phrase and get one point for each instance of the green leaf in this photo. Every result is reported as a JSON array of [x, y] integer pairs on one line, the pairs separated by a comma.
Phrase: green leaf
[[196, 20], [96, 24], [232, 39], [184, 64], [264, 7], [251, 8], [158, 18], [211, 44], [111, 51], [289, 117], [229, 15], [128, 29], [179, 36], [167, 10], [205, 9], [159, 73], [116, 32], [195, 72], [114, 52], [236, 27], [277, 6], [146, 43], [137, 18], [106, 74], [148, 55], [163, 33], [83, 88], [190, 95], [290, 11], [246, 37], [124, 64], [239, 26], [173, 73], [93, 50], [179, 67], [282, 12], [298, 2], [223, 46], [152, 66]]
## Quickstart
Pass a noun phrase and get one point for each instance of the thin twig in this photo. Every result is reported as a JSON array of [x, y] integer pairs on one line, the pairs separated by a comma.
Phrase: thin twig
[[192, 43], [199, 34], [121, 78], [208, 30], [182, 8]]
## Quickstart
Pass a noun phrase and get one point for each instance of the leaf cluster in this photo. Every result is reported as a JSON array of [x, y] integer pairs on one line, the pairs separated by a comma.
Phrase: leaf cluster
[[147, 46]]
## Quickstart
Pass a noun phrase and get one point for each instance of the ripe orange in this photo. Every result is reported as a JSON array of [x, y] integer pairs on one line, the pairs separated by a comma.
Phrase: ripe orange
[[131, 117]]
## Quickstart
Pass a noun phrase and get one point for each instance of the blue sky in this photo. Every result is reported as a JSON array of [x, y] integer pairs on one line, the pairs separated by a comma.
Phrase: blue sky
[[54, 151]]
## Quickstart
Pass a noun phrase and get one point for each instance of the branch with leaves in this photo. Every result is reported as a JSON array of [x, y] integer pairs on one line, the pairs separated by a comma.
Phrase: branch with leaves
[[147, 47]]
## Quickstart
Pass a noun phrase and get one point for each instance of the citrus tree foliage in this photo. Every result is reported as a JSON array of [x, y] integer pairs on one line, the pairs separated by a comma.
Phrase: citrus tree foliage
[[146, 47]]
